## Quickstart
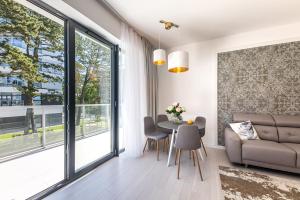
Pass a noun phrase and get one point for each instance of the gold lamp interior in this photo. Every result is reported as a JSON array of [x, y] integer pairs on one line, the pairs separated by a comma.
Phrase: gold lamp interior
[[178, 69]]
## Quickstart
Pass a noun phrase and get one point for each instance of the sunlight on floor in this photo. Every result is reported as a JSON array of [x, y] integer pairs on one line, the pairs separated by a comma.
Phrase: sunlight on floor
[[26, 176]]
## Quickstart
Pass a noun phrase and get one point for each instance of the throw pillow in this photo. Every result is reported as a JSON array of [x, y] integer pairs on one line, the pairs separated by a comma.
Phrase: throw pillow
[[244, 130]]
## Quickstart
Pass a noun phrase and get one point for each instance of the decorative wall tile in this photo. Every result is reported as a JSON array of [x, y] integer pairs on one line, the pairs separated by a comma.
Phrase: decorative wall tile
[[258, 80]]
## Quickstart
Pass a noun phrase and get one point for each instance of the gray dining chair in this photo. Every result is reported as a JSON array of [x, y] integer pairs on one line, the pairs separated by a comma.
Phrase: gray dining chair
[[201, 120], [152, 133], [188, 139], [163, 118]]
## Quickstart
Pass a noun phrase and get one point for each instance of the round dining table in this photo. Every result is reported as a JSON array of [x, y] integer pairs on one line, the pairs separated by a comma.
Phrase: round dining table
[[174, 127]]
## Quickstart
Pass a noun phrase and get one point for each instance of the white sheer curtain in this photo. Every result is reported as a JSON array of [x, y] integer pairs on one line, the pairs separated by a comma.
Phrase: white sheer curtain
[[132, 91]]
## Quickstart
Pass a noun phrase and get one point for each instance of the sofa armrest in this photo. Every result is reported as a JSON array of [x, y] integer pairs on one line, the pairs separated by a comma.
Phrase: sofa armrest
[[233, 145]]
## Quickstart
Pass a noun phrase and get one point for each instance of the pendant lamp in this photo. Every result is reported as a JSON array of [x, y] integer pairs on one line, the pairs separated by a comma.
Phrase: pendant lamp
[[159, 57], [178, 61]]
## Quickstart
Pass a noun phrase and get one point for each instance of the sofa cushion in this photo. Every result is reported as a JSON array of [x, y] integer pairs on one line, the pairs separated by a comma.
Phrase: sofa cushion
[[289, 135], [287, 120], [268, 152], [296, 148], [267, 132], [244, 130], [256, 119]]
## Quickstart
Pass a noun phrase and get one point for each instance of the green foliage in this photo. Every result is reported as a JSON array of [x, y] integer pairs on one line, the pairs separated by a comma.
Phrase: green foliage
[[92, 92], [10, 135], [92, 60], [49, 130], [22, 67], [43, 39]]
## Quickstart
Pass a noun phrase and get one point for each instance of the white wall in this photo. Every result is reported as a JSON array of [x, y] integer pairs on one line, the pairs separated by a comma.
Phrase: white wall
[[197, 88], [91, 14], [99, 14]]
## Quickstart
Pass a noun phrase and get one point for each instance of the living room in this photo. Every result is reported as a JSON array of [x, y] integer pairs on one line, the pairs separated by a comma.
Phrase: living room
[[108, 99]]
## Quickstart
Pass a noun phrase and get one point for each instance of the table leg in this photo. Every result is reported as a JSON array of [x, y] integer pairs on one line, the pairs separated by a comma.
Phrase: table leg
[[171, 147]]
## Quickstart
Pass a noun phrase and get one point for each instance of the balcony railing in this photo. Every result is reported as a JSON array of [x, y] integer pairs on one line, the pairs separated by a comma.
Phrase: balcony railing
[[49, 122]]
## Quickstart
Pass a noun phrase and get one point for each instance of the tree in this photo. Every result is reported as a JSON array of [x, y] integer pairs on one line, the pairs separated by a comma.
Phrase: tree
[[91, 60], [44, 47]]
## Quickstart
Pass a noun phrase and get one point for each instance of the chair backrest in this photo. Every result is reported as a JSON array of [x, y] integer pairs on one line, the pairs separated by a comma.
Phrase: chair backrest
[[149, 125], [200, 120], [188, 137], [162, 118]]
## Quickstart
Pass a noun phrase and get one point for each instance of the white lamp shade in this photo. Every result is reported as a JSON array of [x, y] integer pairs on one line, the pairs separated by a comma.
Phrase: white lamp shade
[[178, 61], [159, 57]]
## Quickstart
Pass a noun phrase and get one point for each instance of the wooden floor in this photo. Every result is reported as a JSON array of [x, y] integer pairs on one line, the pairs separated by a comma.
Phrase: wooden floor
[[146, 179]]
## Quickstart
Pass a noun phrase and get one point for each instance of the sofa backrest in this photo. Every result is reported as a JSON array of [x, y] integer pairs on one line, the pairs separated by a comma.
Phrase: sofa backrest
[[288, 127], [267, 132], [264, 124], [256, 119]]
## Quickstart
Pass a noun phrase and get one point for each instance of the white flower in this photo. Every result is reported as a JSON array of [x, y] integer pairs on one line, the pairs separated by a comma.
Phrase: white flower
[[183, 109], [175, 104], [170, 108], [178, 109]]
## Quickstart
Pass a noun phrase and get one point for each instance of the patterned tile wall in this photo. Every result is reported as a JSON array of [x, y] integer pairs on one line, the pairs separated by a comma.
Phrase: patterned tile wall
[[260, 80]]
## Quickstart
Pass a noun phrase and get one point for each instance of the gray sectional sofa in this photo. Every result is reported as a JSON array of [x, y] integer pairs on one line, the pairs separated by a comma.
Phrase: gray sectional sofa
[[278, 147]]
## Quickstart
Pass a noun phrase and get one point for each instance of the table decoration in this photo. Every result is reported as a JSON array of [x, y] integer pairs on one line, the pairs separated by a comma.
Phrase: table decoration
[[174, 111]]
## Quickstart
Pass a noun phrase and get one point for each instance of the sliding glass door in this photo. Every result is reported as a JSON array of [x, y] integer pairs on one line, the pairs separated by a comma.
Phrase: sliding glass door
[[93, 99], [58, 99]]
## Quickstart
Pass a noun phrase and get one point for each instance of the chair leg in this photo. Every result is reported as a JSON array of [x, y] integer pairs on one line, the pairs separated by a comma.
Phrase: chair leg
[[145, 146], [203, 146], [178, 169], [157, 148], [164, 147], [150, 144], [193, 158], [200, 152], [168, 143], [166, 140], [176, 155], [195, 152]]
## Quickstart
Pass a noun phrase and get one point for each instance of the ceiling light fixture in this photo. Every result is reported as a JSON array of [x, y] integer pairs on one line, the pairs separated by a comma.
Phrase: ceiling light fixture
[[178, 61], [159, 55]]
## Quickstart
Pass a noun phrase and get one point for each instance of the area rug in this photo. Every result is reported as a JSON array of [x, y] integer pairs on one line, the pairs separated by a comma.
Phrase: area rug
[[239, 184]]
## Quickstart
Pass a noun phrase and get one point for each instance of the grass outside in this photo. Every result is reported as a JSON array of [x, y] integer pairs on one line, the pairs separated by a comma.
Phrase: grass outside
[[54, 129], [57, 128]]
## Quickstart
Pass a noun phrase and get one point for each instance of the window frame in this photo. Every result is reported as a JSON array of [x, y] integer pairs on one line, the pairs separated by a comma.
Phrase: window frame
[[69, 100]]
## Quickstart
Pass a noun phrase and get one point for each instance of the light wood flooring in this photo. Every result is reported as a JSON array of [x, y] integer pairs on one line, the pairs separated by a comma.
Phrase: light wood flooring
[[147, 179]]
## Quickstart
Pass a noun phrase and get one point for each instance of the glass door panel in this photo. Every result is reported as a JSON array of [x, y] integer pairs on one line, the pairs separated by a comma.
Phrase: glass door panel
[[93, 100], [32, 124]]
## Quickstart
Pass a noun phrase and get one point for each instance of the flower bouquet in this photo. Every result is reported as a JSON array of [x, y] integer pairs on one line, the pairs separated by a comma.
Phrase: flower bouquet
[[175, 111]]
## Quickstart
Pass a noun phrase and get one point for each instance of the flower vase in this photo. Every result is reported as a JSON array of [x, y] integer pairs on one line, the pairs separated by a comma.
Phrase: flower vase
[[177, 119]]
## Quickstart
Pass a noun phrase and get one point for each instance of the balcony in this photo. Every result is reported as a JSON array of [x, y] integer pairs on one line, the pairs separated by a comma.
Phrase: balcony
[[34, 161], [50, 127]]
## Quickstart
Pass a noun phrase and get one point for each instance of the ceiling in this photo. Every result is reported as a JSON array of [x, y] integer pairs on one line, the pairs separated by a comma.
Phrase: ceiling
[[204, 19]]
